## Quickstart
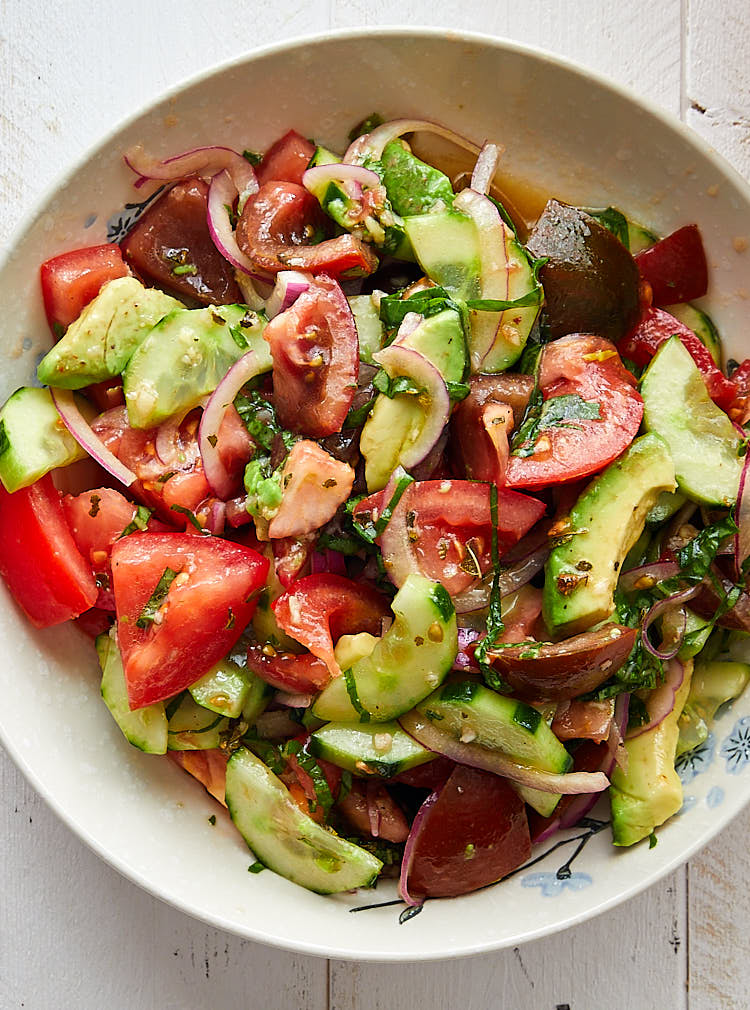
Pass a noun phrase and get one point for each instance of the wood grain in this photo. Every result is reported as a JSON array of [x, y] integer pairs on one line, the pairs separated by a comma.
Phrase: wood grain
[[73, 933]]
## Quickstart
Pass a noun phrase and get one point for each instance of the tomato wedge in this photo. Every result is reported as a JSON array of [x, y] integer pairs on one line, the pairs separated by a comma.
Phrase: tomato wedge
[[209, 767], [42, 567], [205, 609], [171, 246], [286, 160], [655, 327], [320, 608], [277, 225], [373, 812], [73, 279], [572, 443], [442, 529], [315, 353], [473, 832], [676, 267], [739, 408], [287, 671]]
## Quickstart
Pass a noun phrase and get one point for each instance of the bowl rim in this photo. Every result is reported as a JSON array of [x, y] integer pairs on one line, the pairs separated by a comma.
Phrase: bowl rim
[[31, 216]]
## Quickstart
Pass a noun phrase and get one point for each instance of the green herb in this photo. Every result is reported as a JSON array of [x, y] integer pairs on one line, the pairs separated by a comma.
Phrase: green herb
[[182, 269], [556, 412], [697, 556], [308, 763], [232, 215], [458, 390], [238, 337], [637, 712], [59, 330], [253, 157], [428, 302], [533, 297], [495, 625], [504, 214], [191, 517], [351, 690], [156, 599], [652, 839], [268, 753], [138, 522], [614, 221], [358, 415], [212, 820], [395, 386], [259, 417], [256, 867], [94, 510], [341, 542], [346, 785], [171, 706], [372, 530], [367, 125]]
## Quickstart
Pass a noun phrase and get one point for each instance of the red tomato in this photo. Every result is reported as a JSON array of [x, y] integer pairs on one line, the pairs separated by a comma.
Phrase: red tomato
[[587, 367], [373, 812], [181, 480], [291, 558], [583, 720], [676, 267], [209, 767], [286, 160], [739, 408], [42, 567], [443, 529], [320, 608], [172, 234], [70, 281], [106, 395], [277, 225], [287, 671], [474, 831], [432, 775], [94, 622], [206, 610], [315, 354], [472, 449], [655, 327]]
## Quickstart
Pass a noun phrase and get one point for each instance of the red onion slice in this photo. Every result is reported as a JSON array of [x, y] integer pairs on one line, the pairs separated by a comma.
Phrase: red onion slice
[[203, 161], [293, 700], [411, 842], [327, 561], [477, 597], [371, 145], [410, 322], [170, 449], [658, 610], [661, 699], [216, 518], [219, 402], [321, 175], [399, 360], [646, 576], [81, 431], [742, 536], [485, 168], [471, 754], [221, 194], [290, 284]]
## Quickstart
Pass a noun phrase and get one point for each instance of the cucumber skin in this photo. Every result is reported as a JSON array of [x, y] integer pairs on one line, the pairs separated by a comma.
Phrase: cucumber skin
[[285, 839], [345, 745], [144, 728]]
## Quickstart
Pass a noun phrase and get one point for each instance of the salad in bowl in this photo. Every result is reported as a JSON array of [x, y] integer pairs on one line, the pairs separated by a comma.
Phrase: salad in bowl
[[409, 524]]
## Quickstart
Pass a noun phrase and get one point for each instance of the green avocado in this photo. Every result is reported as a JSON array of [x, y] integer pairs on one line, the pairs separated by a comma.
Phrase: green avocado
[[581, 572], [396, 421], [713, 685], [650, 791], [99, 344], [185, 357]]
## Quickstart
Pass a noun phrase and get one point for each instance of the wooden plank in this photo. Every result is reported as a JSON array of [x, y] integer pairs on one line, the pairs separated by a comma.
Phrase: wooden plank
[[635, 44], [74, 933], [639, 947], [717, 77]]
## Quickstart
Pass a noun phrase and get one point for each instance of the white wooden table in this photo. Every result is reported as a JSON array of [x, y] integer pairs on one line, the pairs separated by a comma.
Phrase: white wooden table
[[73, 933]]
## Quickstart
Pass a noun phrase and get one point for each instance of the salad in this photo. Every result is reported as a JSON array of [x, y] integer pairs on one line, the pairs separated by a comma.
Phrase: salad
[[407, 525]]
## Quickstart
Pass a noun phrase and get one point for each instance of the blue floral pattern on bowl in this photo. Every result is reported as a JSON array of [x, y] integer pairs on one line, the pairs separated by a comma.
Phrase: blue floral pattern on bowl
[[696, 761], [551, 885], [736, 747]]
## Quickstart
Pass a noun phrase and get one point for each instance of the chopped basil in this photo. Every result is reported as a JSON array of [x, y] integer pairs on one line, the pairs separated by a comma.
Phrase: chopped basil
[[556, 412], [259, 417], [394, 386], [358, 415], [533, 297], [307, 762], [212, 820], [427, 302], [495, 625], [373, 528], [351, 690], [368, 124], [253, 157], [256, 867], [156, 599], [138, 522], [191, 517]]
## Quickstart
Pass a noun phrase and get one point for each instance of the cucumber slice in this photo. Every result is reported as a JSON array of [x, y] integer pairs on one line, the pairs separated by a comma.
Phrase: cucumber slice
[[322, 156], [447, 248], [369, 326], [640, 238], [383, 749], [700, 436], [665, 507], [192, 727], [33, 439], [543, 803], [257, 699], [145, 728], [473, 713], [225, 688], [408, 662], [287, 840], [702, 326]]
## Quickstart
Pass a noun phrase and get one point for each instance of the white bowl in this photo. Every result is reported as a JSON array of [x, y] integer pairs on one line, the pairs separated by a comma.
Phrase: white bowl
[[565, 131]]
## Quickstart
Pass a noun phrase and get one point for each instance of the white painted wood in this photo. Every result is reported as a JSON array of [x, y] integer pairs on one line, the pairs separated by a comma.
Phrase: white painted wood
[[73, 933]]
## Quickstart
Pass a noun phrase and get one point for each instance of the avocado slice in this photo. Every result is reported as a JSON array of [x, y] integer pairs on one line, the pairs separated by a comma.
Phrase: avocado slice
[[713, 685], [581, 572], [185, 357], [396, 421], [650, 792], [99, 344], [702, 439]]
